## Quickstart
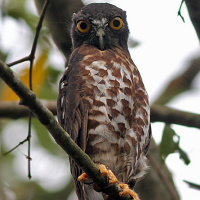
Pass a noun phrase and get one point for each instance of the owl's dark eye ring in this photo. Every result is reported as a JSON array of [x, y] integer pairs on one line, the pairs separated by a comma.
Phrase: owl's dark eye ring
[[83, 26], [116, 23]]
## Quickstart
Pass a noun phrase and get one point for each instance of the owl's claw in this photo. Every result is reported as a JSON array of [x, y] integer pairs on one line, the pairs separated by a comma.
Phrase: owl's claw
[[104, 171], [112, 180], [84, 178], [127, 191]]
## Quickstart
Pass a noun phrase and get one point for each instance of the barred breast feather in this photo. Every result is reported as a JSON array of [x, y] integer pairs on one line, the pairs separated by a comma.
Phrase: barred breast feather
[[105, 109]]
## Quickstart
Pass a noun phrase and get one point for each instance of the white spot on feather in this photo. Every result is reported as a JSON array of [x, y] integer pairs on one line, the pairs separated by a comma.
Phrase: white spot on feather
[[98, 63], [132, 133], [99, 23], [97, 78]]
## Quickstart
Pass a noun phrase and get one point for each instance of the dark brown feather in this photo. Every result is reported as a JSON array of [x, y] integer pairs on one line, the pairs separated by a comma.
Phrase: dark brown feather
[[73, 114]]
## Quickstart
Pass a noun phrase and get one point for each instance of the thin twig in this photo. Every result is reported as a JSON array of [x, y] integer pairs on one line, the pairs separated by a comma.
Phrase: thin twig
[[179, 11], [27, 58], [21, 143], [38, 28], [31, 58], [29, 145], [163, 177]]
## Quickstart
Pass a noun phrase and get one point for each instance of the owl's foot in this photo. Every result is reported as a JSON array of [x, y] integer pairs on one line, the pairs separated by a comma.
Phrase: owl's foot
[[104, 171], [112, 180], [84, 178], [127, 191]]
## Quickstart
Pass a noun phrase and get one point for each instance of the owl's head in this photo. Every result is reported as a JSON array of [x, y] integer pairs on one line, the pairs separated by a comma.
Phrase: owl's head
[[100, 24]]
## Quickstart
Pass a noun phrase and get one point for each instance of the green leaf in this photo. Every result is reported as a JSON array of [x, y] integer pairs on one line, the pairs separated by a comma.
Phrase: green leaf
[[184, 156], [168, 145], [193, 185]]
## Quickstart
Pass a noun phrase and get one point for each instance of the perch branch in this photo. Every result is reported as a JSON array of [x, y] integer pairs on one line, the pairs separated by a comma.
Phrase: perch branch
[[159, 113], [29, 99]]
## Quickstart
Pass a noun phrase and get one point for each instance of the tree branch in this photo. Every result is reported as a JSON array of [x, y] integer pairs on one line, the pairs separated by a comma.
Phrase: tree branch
[[13, 110], [28, 98], [159, 113], [180, 83], [172, 116]]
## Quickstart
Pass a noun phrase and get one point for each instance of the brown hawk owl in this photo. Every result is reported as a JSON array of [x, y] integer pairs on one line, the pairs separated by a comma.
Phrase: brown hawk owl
[[102, 101]]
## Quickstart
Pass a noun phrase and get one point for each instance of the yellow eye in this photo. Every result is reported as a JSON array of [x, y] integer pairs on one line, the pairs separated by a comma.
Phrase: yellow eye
[[116, 23], [83, 26]]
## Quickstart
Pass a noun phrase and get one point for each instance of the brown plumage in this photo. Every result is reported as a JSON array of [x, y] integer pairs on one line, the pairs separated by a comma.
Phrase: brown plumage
[[102, 101]]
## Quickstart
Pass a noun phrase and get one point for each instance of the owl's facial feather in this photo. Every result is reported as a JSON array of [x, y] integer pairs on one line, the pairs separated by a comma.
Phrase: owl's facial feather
[[108, 27]]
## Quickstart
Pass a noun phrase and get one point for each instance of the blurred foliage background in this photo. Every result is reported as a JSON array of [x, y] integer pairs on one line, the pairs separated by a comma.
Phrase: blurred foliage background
[[50, 168]]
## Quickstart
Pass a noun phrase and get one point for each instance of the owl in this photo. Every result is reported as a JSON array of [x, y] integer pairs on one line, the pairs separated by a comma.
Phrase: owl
[[102, 101]]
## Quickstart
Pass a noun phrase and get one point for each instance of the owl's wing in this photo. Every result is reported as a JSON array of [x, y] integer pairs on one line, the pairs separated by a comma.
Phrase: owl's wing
[[146, 149], [71, 111], [73, 117]]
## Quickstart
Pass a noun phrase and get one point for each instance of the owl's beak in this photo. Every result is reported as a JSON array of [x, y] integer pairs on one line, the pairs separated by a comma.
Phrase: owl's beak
[[100, 34]]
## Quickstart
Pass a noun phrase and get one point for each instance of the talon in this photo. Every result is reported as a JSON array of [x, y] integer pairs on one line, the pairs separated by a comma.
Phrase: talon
[[105, 172], [84, 177], [112, 177], [103, 169], [127, 191]]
